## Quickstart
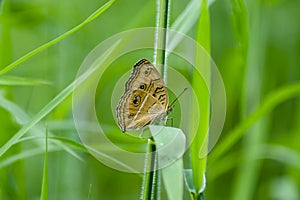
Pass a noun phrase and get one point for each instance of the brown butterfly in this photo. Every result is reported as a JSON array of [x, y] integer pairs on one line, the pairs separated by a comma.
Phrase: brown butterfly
[[145, 98]]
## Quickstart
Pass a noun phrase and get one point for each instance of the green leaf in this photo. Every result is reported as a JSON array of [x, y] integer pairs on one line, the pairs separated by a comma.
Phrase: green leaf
[[189, 181], [170, 143], [166, 149], [171, 175]]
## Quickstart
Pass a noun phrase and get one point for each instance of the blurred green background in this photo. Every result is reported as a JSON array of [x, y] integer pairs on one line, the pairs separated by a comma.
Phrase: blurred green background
[[264, 164]]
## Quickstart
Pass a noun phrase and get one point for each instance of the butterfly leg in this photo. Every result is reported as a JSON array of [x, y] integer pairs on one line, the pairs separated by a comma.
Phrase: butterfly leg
[[145, 133], [141, 134], [171, 120]]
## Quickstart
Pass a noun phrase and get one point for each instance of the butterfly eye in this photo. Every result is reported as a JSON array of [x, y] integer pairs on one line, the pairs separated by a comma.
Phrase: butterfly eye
[[142, 86]]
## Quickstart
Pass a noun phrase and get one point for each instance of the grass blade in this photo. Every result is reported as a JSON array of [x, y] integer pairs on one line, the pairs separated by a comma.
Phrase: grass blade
[[270, 102], [162, 24], [56, 40], [150, 173], [44, 194], [203, 97], [22, 118], [5, 37], [151, 179], [14, 81], [21, 156], [247, 174], [53, 103]]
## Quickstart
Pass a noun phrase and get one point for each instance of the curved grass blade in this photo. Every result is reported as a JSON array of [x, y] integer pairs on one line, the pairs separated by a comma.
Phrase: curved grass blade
[[270, 102], [37, 151], [56, 40], [14, 80], [22, 118], [53, 103], [22, 155], [283, 154]]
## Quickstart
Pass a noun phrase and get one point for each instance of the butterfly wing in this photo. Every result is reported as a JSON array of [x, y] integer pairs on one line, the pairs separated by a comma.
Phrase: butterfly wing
[[145, 97]]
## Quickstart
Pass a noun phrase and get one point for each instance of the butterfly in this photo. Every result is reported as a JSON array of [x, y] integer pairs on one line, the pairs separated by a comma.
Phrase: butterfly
[[145, 99]]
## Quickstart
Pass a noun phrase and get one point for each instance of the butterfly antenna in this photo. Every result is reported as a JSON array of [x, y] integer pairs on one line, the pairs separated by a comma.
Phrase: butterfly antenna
[[171, 105]]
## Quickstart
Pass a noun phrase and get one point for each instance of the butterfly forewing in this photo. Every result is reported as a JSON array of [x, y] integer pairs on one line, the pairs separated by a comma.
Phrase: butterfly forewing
[[145, 97]]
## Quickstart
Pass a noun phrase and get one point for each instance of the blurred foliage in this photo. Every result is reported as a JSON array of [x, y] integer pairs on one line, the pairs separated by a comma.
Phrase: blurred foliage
[[272, 61]]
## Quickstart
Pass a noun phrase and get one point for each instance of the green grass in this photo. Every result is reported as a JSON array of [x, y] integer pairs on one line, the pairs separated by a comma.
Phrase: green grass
[[44, 193], [201, 83], [255, 45], [56, 40]]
